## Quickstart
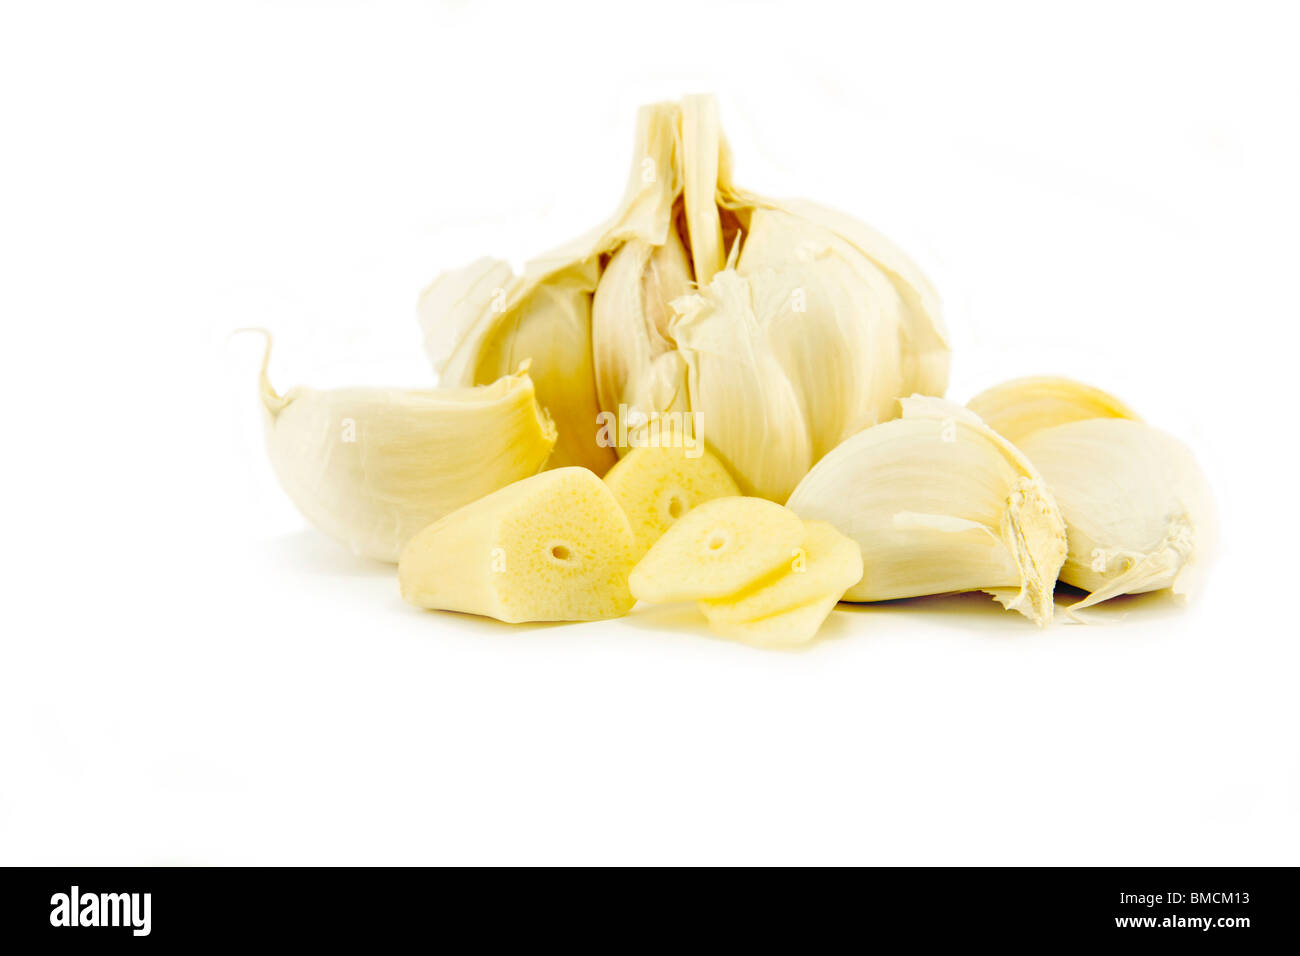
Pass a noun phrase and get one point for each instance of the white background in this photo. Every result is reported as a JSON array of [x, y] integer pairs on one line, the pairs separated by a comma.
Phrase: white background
[[190, 675]]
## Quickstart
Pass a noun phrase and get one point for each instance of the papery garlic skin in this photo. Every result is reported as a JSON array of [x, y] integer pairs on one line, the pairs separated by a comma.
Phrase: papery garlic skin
[[370, 467], [938, 502], [1138, 509], [1017, 409], [552, 547], [481, 321]]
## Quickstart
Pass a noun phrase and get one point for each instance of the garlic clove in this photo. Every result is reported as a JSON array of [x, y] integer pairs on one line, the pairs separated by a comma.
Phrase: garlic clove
[[938, 502], [656, 486], [1018, 408], [553, 547], [637, 366], [1139, 512], [789, 628], [372, 466], [825, 564], [716, 549], [750, 410]]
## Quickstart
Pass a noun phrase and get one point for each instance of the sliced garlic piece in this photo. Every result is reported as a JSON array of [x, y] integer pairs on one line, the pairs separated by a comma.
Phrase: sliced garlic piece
[[1138, 509], [1018, 408], [553, 547], [372, 466], [717, 549], [825, 564], [939, 502], [657, 486], [789, 628]]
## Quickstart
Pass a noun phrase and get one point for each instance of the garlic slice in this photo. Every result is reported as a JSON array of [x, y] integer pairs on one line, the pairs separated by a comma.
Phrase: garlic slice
[[716, 549], [939, 502], [1018, 408], [657, 486], [370, 467], [553, 547], [1138, 509], [788, 606]]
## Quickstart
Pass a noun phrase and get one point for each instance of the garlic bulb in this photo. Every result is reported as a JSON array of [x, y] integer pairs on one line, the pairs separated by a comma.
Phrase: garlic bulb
[[1137, 508], [939, 502], [782, 326], [372, 466]]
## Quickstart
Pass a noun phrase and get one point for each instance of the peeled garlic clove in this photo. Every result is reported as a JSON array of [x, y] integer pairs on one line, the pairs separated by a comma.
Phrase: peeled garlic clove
[[1138, 509], [1018, 408], [716, 549], [824, 565], [656, 486], [788, 628], [372, 466], [553, 547], [938, 502]]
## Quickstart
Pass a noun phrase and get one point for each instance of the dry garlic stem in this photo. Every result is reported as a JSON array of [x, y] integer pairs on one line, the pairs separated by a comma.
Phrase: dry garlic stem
[[553, 547], [372, 466], [939, 502]]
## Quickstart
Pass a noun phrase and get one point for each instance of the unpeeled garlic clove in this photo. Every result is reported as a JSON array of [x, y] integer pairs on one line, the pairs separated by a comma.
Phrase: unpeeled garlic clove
[[938, 502], [1138, 509], [1018, 408], [370, 467], [553, 547], [481, 321]]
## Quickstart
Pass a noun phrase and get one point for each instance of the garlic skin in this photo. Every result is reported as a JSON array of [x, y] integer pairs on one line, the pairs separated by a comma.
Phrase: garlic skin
[[481, 321], [370, 467], [786, 326], [939, 502], [1017, 409], [1139, 512]]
